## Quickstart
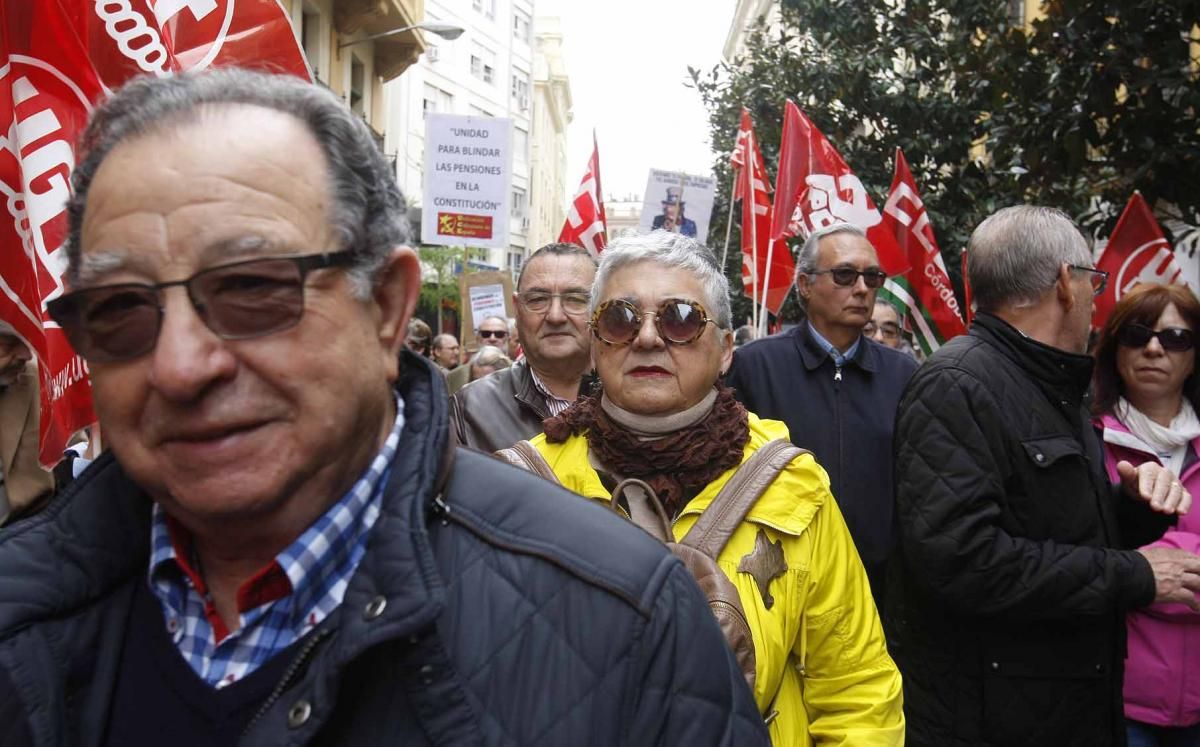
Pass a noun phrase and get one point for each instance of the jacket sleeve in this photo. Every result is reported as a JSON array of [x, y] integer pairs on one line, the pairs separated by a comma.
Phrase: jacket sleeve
[[852, 689], [688, 689], [950, 485]]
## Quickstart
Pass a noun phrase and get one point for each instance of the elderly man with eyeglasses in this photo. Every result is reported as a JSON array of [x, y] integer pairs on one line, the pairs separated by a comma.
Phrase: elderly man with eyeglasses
[[551, 299], [283, 545], [836, 388], [1016, 563]]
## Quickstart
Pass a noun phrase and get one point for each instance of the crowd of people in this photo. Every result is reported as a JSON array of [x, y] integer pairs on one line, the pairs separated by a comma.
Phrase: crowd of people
[[618, 520]]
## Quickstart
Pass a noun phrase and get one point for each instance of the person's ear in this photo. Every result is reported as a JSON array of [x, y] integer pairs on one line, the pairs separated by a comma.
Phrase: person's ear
[[803, 285], [1063, 289], [394, 295], [726, 341]]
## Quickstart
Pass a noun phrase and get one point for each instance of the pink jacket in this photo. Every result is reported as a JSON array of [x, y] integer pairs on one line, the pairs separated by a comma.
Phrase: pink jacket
[[1162, 671]]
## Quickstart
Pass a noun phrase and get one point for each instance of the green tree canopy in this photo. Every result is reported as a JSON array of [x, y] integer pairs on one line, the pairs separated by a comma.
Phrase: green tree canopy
[[1075, 110]]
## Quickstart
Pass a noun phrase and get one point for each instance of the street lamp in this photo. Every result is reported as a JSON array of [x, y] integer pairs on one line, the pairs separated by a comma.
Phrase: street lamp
[[444, 30]]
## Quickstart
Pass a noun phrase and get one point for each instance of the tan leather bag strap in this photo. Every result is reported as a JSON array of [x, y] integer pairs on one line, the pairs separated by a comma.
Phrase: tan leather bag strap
[[523, 454], [716, 525]]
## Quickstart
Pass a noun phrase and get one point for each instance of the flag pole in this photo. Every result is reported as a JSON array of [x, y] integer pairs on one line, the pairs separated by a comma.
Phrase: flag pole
[[729, 221], [762, 318], [754, 273]]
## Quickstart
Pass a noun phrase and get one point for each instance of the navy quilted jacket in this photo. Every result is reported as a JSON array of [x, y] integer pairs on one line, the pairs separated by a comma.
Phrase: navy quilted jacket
[[514, 613], [1006, 605]]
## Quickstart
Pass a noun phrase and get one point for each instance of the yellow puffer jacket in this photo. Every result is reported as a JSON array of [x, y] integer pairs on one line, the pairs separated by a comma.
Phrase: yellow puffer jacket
[[819, 650]]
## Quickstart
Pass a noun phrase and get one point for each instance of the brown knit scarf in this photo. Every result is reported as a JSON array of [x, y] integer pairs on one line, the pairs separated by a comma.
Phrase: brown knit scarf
[[677, 465]]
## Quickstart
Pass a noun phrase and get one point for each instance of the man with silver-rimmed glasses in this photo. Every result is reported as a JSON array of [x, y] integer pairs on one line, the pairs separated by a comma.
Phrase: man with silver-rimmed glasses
[[551, 299]]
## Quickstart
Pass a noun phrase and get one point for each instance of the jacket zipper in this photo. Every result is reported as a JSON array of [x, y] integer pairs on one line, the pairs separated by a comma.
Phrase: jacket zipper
[[286, 682]]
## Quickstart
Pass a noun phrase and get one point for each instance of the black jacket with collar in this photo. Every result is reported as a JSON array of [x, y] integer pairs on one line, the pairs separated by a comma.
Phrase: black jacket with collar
[[1007, 597], [843, 415], [500, 610]]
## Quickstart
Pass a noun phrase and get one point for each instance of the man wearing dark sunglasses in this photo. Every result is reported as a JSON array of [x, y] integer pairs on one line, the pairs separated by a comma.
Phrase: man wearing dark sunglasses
[[836, 388], [282, 546], [492, 331], [1016, 567]]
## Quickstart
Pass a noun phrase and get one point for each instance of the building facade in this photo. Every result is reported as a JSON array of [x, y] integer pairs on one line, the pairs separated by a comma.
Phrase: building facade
[[551, 115], [329, 30], [487, 72]]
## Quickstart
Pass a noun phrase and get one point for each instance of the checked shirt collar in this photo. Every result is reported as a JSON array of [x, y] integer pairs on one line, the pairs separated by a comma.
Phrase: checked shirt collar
[[284, 600]]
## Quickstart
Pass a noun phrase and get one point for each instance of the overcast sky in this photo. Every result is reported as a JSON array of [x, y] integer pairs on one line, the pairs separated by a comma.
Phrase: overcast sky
[[627, 61]]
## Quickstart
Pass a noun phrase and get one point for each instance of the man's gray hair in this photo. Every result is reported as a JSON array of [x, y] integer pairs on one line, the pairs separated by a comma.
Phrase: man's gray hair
[[368, 213], [491, 356], [502, 319], [1015, 255], [443, 340], [806, 260], [670, 250]]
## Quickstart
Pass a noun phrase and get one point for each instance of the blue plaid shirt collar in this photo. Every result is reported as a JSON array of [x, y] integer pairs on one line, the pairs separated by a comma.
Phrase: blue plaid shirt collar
[[288, 598]]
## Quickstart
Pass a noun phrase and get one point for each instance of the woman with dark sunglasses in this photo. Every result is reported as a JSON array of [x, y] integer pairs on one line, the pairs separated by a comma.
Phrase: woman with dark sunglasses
[[661, 441], [1147, 396]]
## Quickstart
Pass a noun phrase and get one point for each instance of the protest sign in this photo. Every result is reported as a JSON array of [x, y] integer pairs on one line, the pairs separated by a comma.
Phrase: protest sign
[[468, 181], [678, 202], [483, 294]]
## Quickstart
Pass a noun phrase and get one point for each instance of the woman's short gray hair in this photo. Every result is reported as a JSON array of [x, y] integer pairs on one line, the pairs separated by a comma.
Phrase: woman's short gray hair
[[671, 250], [368, 213], [1015, 254]]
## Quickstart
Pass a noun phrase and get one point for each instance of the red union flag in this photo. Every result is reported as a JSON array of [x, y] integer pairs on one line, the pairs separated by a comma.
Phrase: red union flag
[[47, 89], [125, 38], [815, 188], [1137, 252], [924, 292], [57, 59], [586, 224], [756, 224]]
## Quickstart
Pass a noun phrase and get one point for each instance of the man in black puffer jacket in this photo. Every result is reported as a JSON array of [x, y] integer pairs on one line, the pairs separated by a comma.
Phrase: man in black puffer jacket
[[283, 547], [1007, 600]]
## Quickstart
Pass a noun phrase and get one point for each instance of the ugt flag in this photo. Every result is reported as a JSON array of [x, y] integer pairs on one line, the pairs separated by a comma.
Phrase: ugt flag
[[815, 188], [924, 292], [58, 58], [586, 224], [1137, 252], [752, 181]]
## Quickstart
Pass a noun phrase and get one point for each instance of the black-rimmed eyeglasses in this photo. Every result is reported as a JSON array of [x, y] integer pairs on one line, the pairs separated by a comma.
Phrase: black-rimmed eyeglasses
[[237, 301], [1099, 278]]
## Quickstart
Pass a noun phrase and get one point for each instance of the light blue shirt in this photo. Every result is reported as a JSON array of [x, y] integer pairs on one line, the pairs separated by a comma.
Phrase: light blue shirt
[[839, 358]]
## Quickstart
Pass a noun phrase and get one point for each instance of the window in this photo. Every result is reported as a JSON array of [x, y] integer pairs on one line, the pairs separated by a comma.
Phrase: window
[[519, 203], [477, 111], [1016, 13], [520, 90], [310, 38], [486, 7], [483, 63], [358, 86], [521, 26], [516, 256], [521, 144], [437, 100]]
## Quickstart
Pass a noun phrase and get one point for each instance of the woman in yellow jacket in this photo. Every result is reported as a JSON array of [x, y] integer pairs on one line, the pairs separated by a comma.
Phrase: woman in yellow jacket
[[822, 672]]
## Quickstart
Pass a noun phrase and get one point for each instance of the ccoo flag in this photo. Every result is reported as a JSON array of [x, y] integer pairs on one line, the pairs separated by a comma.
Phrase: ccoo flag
[[586, 224], [58, 59], [1137, 252], [924, 292], [815, 188]]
